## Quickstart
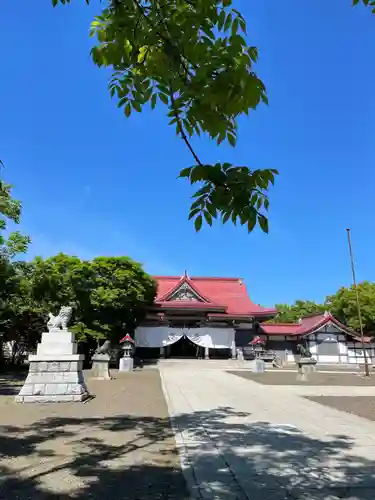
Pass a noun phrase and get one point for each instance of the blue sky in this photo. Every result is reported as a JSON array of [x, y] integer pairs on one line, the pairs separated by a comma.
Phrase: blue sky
[[93, 183]]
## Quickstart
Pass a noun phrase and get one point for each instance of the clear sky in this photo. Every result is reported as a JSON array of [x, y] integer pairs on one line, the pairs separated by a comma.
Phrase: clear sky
[[94, 183]]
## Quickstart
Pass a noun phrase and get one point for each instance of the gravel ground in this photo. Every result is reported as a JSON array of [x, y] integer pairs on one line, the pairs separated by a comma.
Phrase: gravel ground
[[315, 379], [362, 406], [118, 445]]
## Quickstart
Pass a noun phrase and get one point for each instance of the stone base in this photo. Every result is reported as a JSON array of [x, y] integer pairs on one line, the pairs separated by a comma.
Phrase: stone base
[[306, 366], [126, 364], [100, 367], [258, 366], [61, 398], [54, 379]]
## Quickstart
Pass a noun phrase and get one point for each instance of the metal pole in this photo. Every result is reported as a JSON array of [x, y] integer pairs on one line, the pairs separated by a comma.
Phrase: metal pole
[[367, 370]]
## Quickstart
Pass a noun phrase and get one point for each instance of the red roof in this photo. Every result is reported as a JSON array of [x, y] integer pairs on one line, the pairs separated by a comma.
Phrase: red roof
[[226, 294], [308, 325], [127, 338]]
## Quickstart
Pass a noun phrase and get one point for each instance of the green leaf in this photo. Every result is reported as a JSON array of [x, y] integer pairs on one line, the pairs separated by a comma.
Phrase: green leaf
[[185, 172], [208, 217], [221, 20], [198, 173], [137, 106], [153, 101], [226, 217], [194, 212], [128, 110], [235, 25], [263, 223], [198, 223], [163, 98], [211, 209], [251, 223], [198, 203], [231, 139], [228, 22]]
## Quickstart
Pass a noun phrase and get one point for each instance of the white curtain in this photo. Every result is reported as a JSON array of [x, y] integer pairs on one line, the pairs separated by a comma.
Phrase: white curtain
[[216, 338], [159, 336]]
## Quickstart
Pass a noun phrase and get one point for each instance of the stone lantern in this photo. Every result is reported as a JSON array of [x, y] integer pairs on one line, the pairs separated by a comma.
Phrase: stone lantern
[[126, 362]]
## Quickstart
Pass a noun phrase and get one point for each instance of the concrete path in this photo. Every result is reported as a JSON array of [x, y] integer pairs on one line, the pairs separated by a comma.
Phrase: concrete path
[[240, 440]]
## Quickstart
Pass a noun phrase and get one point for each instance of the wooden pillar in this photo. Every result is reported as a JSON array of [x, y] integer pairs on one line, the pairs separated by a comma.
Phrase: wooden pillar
[[206, 353]]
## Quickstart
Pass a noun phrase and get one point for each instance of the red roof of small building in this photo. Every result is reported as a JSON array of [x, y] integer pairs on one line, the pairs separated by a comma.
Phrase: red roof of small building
[[226, 294], [127, 338], [308, 325]]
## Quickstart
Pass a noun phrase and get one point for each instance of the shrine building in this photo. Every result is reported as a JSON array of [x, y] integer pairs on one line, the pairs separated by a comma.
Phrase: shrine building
[[215, 318]]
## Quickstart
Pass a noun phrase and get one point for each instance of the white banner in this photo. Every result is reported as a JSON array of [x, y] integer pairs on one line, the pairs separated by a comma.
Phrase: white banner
[[161, 336], [157, 336], [216, 338]]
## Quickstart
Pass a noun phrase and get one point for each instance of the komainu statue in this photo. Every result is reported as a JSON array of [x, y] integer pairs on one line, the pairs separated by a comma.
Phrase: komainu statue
[[61, 320], [304, 351]]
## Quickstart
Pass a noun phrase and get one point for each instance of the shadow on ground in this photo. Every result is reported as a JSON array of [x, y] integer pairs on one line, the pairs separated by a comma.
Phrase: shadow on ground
[[93, 460], [11, 382]]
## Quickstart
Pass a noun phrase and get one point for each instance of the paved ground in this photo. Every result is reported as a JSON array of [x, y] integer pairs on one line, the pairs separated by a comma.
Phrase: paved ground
[[117, 446], [242, 440], [363, 406], [315, 379]]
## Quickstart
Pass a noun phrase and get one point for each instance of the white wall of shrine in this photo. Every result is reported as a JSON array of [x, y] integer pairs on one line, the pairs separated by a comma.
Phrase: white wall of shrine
[[330, 345]]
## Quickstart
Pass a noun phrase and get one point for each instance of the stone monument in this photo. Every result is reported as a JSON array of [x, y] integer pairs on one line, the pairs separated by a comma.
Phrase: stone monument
[[306, 363], [127, 362], [100, 362], [55, 371]]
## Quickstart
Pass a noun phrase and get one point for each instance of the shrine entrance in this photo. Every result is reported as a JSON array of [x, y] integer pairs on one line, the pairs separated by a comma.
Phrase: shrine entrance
[[185, 348]]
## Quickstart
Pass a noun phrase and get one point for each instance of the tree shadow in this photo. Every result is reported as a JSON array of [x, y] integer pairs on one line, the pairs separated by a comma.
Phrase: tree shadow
[[11, 382], [135, 458]]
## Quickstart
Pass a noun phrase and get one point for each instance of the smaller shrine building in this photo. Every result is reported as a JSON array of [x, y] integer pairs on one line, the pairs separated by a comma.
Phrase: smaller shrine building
[[207, 317], [328, 340]]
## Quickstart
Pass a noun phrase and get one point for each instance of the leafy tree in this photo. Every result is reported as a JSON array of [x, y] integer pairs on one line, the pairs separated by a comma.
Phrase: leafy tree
[[120, 293], [10, 210], [109, 294], [367, 3], [10, 246], [191, 56], [292, 313], [344, 306]]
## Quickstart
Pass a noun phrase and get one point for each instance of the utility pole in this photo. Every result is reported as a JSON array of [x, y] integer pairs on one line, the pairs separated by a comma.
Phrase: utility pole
[[367, 370]]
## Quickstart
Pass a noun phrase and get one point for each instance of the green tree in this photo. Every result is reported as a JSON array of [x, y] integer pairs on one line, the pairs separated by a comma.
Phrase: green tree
[[292, 313], [11, 245], [109, 295], [343, 305], [120, 293], [192, 57]]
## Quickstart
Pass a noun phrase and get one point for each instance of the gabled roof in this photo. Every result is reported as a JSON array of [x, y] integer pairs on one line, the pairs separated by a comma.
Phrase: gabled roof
[[226, 294], [307, 325]]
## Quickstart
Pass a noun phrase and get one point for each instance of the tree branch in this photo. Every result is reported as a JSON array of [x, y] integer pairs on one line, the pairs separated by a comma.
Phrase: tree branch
[[182, 131]]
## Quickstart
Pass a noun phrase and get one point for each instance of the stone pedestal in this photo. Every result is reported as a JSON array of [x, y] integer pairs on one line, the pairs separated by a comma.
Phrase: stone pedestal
[[240, 355], [126, 364], [100, 367], [206, 353], [306, 366], [258, 366], [55, 372]]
